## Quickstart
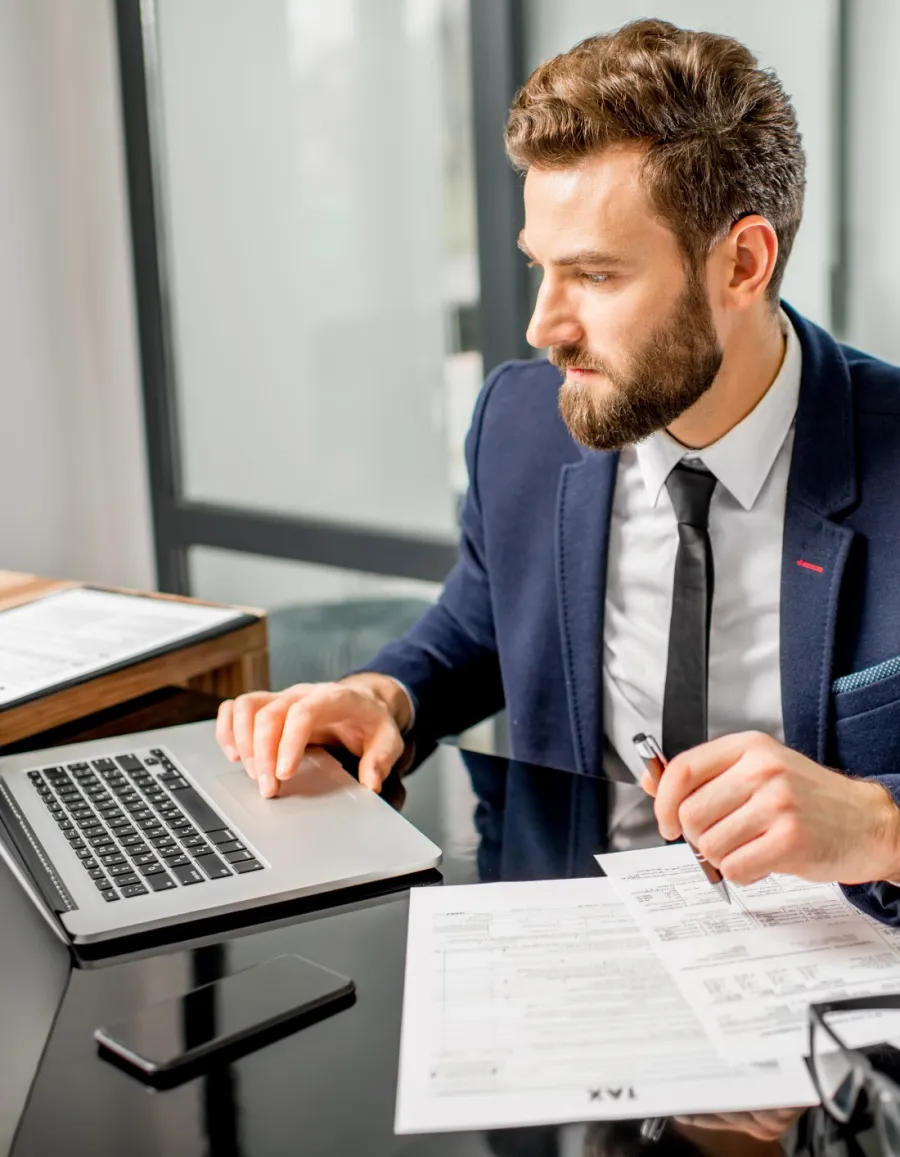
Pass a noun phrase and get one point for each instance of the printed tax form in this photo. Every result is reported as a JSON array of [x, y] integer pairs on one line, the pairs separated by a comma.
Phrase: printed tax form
[[534, 1003], [750, 970]]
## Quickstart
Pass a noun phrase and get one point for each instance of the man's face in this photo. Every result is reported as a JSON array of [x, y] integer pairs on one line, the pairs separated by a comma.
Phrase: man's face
[[617, 306]]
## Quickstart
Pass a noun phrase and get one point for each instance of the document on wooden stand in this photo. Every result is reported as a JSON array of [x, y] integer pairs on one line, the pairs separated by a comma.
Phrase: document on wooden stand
[[538, 1003], [751, 969], [72, 635]]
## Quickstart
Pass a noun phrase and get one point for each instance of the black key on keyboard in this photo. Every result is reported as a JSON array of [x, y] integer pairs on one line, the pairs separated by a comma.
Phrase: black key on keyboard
[[134, 890], [113, 858], [130, 841], [175, 861], [248, 866], [123, 869], [230, 846], [97, 874], [151, 869], [193, 841], [239, 856], [72, 834], [124, 881], [110, 896], [162, 882], [162, 842], [84, 853], [203, 815], [104, 765], [188, 874], [129, 763], [145, 858], [102, 883], [215, 868]]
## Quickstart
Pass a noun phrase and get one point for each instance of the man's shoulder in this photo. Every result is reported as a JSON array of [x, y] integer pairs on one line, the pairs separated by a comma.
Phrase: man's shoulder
[[517, 424], [523, 396], [509, 381], [876, 383]]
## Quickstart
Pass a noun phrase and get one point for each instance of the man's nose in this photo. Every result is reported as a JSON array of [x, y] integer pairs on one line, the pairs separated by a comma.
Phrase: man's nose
[[552, 322]]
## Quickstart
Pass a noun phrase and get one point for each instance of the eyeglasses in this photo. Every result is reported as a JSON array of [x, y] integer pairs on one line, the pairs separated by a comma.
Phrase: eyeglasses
[[842, 1073]]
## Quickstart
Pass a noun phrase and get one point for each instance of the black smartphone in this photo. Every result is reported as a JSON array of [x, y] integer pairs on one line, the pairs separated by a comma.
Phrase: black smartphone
[[166, 1042]]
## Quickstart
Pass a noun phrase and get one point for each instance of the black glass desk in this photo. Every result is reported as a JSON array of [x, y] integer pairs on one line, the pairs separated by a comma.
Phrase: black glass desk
[[329, 1089]]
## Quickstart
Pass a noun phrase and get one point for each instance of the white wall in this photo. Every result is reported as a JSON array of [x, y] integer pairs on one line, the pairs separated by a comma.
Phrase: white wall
[[73, 493]]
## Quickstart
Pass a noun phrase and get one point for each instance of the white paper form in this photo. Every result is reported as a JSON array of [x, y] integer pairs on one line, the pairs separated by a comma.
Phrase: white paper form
[[539, 1003], [751, 969], [74, 633]]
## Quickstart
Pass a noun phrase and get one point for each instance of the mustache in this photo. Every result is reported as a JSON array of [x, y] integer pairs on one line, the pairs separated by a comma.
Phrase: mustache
[[572, 357]]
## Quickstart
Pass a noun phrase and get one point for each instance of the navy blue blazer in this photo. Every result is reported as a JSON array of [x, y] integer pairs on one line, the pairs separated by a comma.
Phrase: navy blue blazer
[[520, 619]]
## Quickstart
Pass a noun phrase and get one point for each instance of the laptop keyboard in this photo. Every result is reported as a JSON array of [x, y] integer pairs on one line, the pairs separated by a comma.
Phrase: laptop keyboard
[[138, 826]]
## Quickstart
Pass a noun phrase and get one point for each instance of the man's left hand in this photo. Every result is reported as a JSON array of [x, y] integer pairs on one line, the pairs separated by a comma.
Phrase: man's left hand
[[752, 806]]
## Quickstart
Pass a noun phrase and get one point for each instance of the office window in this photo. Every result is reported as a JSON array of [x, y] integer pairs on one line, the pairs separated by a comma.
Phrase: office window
[[317, 195]]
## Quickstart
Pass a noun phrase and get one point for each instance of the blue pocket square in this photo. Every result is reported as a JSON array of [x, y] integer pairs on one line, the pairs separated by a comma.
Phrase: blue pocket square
[[868, 675]]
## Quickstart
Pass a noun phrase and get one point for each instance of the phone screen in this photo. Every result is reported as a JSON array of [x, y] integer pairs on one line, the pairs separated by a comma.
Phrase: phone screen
[[223, 1012]]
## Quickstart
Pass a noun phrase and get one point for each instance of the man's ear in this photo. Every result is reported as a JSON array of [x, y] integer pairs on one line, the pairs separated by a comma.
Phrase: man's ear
[[749, 254]]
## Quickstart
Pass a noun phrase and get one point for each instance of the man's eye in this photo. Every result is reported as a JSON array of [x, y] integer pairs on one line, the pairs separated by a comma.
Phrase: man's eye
[[595, 278]]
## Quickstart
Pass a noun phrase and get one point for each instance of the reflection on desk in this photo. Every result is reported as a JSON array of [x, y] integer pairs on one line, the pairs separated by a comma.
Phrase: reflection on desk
[[330, 1088]]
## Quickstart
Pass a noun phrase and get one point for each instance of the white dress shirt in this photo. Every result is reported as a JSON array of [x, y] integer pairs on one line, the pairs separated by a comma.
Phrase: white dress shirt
[[746, 527]]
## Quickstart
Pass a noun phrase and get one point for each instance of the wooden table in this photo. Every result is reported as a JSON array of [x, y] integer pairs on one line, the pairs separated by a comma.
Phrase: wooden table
[[208, 672]]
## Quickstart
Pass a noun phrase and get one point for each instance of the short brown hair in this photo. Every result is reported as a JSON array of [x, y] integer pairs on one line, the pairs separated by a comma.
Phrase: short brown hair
[[721, 133]]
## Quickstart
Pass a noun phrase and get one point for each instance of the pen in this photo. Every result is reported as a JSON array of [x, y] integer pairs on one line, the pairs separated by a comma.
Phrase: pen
[[655, 763], [652, 1128]]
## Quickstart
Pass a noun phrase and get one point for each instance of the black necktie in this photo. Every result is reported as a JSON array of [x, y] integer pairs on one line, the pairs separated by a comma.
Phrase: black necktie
[[685, 703]]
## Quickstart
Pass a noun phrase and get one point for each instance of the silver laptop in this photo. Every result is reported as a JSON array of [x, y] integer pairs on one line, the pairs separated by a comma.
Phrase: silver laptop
[[121, 836]]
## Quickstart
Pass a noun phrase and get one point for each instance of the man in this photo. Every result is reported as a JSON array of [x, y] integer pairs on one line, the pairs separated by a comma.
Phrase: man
[[693, 529]]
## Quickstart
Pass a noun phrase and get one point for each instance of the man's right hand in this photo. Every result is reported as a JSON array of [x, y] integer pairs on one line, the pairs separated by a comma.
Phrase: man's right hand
[[269, 732]]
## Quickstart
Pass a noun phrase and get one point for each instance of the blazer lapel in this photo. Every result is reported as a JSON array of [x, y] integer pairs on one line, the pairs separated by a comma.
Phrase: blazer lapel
[[822, 484], [583, 513]]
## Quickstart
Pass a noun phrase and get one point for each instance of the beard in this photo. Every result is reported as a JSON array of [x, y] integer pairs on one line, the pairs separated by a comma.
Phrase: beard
[[665, 377]]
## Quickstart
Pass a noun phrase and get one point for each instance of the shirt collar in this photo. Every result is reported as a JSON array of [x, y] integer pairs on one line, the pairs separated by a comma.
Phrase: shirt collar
[[742, 458]]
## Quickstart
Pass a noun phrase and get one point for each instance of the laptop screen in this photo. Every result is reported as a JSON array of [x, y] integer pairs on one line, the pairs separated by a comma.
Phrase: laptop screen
[[34, 965]]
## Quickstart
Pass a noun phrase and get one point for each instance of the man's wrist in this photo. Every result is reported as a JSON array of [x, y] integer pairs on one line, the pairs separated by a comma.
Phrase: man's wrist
[[887, 835], [389, 692]]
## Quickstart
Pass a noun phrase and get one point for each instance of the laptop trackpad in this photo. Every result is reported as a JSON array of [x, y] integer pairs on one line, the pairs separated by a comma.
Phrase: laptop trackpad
[[317, 784]]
